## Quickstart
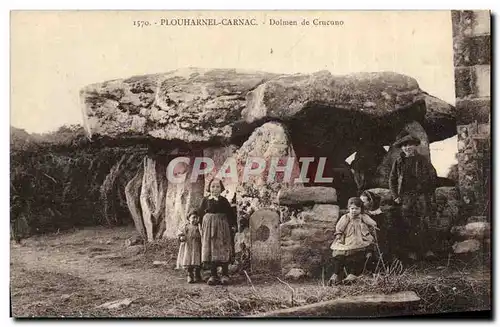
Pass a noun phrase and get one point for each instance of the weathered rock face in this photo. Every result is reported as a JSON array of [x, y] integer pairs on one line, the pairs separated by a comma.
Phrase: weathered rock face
[[307, 195], [477, 230], [267, 143], [466, 246], [306, 245], [221, 158], [447, 208], [181, 198], [196, 105], [152, 197], [132, 193]]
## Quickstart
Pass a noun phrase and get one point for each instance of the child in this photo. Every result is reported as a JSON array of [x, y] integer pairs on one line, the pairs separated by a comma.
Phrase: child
[[353, 242], [412, 182], [217, 229], [190, 249]]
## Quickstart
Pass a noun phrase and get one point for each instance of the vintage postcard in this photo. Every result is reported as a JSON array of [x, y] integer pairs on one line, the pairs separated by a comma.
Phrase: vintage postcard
[[250, 164]]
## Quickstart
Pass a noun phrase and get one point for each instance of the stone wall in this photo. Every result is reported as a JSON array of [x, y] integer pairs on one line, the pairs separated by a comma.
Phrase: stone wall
[[472, 59], [472, 62]]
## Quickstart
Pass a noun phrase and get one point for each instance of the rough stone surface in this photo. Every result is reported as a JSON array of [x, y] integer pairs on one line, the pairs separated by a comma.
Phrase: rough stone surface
[[200, 105], [447, 208], [472, 50], [476, 230], [306, 245], [466, 246], [268, 142], [471, 110], [221, 157], [241, 238], [326, 212], [132, 194], [307, 195], [482, 78], [117, 304], [462, 21], [440, 119], [265, 241], [152, 197], [367, 305], [180, 199], [463, 81], [296, 274], [474, 168], [481, 23], [476, 219]]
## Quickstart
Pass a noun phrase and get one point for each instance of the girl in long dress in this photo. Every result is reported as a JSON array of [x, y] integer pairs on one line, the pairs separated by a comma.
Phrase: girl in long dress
[[189, 256], [217, 229]]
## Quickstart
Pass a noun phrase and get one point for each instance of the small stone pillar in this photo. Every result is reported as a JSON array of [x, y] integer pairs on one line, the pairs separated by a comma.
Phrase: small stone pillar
[[307, 236]]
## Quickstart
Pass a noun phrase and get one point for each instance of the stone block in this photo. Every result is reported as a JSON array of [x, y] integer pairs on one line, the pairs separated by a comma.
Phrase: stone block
[[482, 78], [466, 246], [463, 82], [265, 241], [326, 212], [471, 51], [462, 21], [306, 246], [447, 208], [307, 195], [471, 110], [481, 22], [476, 219], [474, 230], [296, 274]]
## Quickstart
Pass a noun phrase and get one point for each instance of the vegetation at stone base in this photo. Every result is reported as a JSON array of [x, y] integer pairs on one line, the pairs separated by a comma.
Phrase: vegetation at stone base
[[60, 180]]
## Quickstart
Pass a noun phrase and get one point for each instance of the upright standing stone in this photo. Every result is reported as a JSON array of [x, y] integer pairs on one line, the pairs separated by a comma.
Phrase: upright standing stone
[[269, 143], [265, 241], [181, 198]]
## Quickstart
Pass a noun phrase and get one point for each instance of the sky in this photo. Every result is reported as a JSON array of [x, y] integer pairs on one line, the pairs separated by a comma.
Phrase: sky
[[55, 54]]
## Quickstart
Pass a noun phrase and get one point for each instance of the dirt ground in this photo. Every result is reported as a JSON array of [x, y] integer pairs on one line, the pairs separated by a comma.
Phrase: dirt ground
[[70, 274]]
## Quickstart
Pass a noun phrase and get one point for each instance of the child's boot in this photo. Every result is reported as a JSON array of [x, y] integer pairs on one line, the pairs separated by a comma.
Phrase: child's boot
[[213, 280], [190, 278], [197, 275], [224, 280]]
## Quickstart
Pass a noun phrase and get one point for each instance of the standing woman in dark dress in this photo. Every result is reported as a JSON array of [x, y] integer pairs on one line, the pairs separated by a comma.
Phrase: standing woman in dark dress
[[217, 229]]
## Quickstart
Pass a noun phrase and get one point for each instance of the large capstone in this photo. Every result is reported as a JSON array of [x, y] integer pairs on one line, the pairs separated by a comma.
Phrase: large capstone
[[322, 111]]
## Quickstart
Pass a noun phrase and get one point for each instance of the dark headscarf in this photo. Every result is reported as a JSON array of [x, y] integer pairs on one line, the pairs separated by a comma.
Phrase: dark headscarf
[[373, 199]]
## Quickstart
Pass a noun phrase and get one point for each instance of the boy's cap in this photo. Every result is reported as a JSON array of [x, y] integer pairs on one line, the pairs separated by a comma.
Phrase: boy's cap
[[408, 139]]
